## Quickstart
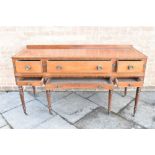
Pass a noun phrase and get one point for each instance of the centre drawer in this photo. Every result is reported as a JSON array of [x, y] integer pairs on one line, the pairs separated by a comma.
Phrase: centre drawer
[[72, 67], [25, 66], [82, 84], [130, 66]]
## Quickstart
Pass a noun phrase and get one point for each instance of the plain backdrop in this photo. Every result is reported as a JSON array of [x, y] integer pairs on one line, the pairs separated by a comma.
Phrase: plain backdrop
[[77, 13]]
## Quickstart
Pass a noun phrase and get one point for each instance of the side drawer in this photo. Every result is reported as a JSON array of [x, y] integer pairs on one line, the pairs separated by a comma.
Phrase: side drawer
[[28, 66], [72, 67], [129, 82], [28, 81], [130, 66]]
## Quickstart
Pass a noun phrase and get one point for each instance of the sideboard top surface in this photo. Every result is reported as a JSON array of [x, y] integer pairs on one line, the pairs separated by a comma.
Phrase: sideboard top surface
[[80, 52]]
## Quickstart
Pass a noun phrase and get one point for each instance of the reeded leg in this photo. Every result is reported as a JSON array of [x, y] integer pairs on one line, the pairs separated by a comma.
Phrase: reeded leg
[[34, 90], [136, 100], [21, 92], [125, 91], [48, 93], [109, 101]]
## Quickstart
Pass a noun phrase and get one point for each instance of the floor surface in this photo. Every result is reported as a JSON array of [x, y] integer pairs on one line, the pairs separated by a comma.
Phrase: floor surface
[[82, 110]]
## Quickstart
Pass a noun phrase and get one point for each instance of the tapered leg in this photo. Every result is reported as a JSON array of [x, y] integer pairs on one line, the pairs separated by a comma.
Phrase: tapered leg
[[48, 93], [136, 100], [125, 91], [34, 90], [21, 92], [109, 101]]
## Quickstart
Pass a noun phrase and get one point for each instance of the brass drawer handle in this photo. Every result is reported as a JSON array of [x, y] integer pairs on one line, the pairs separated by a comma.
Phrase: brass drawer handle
[[99, 68], [58, 67], [27, 67], [29, 84], [130, 67], [100, 87]]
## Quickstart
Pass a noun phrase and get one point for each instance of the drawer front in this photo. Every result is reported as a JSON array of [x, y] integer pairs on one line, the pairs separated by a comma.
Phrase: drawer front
[[130, 66], [30, 82], [28, 67], [81, 87], [78, 84], [129, 83], [72, 67]]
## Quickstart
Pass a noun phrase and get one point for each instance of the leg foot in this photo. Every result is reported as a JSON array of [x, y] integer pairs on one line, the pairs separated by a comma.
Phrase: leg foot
[[125, 91], [48, 93], [109, 101], [21, 92], [34, 90], [136, 100]]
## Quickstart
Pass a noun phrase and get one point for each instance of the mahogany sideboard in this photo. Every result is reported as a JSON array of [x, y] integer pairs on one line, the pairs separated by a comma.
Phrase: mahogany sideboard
[[86, 67]]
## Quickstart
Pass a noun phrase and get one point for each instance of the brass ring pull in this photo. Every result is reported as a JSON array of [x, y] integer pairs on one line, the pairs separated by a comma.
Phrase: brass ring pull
[[58, 67], [99, 68], [27, 67], [130, 67]]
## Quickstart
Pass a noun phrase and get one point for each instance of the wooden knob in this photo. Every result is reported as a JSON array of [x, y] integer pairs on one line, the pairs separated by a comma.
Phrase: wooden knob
[[27, 67], [58, 67], [99, 68]]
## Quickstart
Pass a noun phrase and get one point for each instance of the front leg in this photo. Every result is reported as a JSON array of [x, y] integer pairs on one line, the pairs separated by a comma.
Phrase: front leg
[[34, 90], [136, 100], [48, 93], [125, 91], [109, 101], [21, 92]]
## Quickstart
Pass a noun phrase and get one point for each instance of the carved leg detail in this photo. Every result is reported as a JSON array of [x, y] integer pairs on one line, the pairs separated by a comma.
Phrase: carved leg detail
[[21, 92], [136, 100], [34, 90], [48, 93], [109, 101], [125, 91]]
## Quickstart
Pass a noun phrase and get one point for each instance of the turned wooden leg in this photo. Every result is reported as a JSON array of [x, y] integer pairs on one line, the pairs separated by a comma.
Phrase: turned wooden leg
[[48, 93], [109, 101], [136, 100], [34, 90], [125, 91], [21, 92]]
